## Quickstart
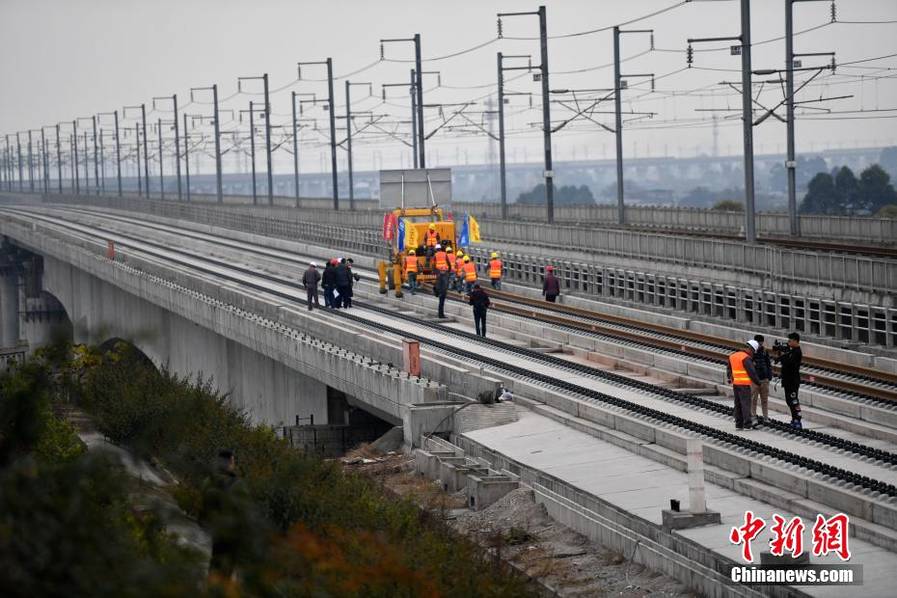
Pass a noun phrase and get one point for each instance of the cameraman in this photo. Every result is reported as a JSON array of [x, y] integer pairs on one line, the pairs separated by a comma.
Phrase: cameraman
[[789, 356]]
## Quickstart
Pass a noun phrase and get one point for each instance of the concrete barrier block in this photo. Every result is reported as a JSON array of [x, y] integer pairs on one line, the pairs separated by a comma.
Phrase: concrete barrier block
[[482, 491], [780, 478], [634, 427]]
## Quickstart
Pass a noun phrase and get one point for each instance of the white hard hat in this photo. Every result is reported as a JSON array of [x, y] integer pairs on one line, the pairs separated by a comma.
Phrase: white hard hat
[[313, 265], [754, 345], [438, 246]]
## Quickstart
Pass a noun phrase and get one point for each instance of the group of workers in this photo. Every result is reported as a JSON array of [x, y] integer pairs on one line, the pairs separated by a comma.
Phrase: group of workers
[[460, 269], [337, 281], [749, 371]]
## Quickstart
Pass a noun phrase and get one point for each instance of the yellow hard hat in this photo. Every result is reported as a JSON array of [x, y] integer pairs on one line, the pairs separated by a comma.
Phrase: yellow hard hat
[[459, 253], [432, 225], [466, 259], [494, 254], [410, 252]]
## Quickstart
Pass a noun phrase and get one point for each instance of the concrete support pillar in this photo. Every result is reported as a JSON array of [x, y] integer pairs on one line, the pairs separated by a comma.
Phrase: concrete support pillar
[[9, 307], [694, 455]]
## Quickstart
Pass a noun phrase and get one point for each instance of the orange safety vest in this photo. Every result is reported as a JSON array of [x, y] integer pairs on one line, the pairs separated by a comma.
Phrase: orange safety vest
[[451, 257], [410, 263], [495, 268], [431, 238], [459, 265], [470, 272], [740, 375], [441, 261]]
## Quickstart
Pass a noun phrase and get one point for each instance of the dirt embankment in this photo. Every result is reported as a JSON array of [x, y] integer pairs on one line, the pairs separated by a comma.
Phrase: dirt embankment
[[519, 531]]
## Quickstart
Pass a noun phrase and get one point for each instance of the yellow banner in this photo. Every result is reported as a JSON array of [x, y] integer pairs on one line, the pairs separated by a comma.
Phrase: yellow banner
[[412, 240], [474, 230]]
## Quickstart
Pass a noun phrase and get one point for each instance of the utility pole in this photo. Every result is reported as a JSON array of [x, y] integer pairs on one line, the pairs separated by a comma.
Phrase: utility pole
[[417, 90], [750, 231], [118, 151], [268, 139], [58, 159], [86, 165], [412, 90], [30, 165], [145, 151], [218, 182], [501, 139], [618, 115], [267, 114], [137, 144], [177, 144], [102, 165], [420, 100], [332, 111], [75, 151], [43, 155], [219, 190], [252, 150], [295, 148], [546, 105], [96, 158], [349, 146], [161, 156], [744, 49], [187, 155]]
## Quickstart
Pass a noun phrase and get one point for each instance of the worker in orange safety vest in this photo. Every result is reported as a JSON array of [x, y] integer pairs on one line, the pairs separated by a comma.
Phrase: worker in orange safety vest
[[459, 270], [431, 237], [741, 373], [440, 259], [411, 271], [495, 271], [470, 273]]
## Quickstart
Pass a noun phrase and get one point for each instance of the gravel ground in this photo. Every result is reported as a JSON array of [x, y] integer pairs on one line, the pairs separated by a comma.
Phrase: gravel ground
[[520, 532]]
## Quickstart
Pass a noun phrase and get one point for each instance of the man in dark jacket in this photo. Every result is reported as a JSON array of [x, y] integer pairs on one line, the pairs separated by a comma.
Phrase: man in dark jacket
[[480, 302], [741, 373], [343, 279], [760, 392], [441, 290], [310, 281], [790, 358], [551, 286], [328, 282]]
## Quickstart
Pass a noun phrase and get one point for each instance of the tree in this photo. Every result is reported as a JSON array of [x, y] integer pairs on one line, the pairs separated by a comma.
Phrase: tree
[[875, 190], [847, 188], [821, 197], [728, 205]]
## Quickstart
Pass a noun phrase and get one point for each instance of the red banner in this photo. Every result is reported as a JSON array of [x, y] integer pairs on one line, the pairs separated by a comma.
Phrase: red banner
[[389, 225]]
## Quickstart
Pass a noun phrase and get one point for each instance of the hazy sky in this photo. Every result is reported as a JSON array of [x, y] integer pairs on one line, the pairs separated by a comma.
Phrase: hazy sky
[[66, 59]]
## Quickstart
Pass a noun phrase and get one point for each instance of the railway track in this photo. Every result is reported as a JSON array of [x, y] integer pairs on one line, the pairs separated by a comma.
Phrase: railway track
[[860, 383], [253, 279]]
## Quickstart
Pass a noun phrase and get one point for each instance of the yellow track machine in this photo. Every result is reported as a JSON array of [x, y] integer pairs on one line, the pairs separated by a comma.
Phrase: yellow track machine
[[407, 229]]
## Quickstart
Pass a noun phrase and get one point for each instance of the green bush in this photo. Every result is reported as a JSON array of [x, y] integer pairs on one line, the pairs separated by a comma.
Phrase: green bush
[[67, 529], [336, 534]]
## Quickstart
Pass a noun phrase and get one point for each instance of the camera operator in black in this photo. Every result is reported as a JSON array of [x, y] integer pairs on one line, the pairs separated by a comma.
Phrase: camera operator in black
[[789, 356]]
